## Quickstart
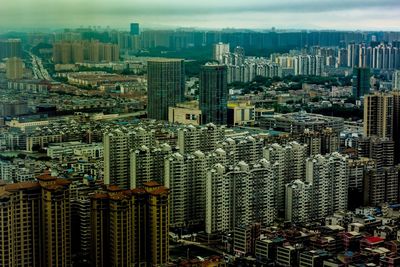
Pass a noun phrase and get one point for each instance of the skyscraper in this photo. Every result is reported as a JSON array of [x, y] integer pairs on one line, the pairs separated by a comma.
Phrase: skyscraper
[[213, 94], [361, 82], [165, 86], [135, 28]]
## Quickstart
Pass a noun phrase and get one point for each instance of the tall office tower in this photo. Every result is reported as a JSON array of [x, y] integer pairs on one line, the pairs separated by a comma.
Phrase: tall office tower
[[379, 149], [357, 168], [135, 29], [219, 50], [10, 48], [396, 80], [185, 176], [213, 94], [299, 201], [147, 164], [378, 115], [361, 83], [117, 146], [165, 86], [289, 164], [328, 175], [14, 68], [382, 186], [130, 227], [204, 138]]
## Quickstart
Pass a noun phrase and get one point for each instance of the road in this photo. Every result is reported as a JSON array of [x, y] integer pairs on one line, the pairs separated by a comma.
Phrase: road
[[39, 72], [197, 244]]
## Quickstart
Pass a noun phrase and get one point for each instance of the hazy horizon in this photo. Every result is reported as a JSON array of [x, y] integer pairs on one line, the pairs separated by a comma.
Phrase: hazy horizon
[[252, 14]]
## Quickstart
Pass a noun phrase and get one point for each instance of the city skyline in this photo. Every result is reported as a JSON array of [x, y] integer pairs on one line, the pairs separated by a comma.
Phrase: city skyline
[[254, 14]]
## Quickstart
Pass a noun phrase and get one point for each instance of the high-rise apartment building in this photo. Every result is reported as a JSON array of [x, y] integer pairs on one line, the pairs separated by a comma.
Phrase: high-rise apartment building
[[130, 227], [14, 68], [118, 144], [213, 94], [219, 51], [239, 195], [165, 86], [10, 48], [35, 223], [378, 115], [81, 51], [204, 138], [147, 164], [328, 175], [298, 201], [381, 150], [288, 163], [381, 186], [396, 80], [185, 176], [361, 82]]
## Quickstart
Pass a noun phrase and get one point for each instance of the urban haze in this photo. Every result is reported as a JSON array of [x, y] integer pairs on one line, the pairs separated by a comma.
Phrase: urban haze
[[199, 133]]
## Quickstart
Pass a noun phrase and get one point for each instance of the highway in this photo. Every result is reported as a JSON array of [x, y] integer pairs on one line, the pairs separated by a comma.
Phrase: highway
[[39, 72]]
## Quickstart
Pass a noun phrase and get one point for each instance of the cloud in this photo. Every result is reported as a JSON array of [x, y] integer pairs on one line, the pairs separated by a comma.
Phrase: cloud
[[205, 13]]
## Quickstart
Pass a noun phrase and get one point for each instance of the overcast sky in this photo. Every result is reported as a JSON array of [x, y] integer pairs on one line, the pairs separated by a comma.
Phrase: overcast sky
[[256, 14]]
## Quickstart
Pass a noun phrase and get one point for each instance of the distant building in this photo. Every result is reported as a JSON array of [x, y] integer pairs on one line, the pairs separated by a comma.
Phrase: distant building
[[165, 86], [14, 68], [219, 51], [10, 48], [135, 29], [213, 94], [361, 82], [84, 51]]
